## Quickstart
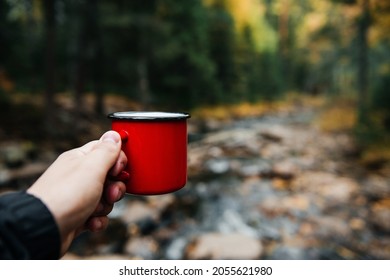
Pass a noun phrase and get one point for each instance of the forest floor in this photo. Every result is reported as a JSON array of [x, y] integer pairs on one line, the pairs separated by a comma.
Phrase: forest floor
[[286, 180]]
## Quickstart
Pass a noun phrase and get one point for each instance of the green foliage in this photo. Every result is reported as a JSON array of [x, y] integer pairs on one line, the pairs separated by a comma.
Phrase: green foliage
[[380, 79], [181, 54], [381, 101], [221, 42], [183, 72]]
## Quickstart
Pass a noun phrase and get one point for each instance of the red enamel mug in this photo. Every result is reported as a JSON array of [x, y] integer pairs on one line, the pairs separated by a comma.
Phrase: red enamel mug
[[155, 144]]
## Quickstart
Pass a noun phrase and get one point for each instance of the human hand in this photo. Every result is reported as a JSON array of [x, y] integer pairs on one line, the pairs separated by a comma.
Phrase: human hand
[[76, 187]]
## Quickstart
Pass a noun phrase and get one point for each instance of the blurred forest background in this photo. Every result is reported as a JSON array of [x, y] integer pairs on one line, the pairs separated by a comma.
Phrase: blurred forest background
[[185, 54], [65, 64]]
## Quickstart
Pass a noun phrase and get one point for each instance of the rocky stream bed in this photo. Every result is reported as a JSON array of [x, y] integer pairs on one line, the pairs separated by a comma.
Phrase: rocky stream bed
[[270, 187]]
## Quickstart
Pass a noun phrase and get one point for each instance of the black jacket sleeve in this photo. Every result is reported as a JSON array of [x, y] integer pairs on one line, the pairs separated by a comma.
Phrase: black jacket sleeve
[[27, 228]]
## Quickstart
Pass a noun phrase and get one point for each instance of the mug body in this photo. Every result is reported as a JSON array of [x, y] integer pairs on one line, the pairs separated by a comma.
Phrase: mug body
[[156, 149]]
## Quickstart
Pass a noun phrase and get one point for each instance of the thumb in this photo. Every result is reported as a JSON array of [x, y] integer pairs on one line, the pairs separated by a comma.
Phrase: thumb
[[106, 151]]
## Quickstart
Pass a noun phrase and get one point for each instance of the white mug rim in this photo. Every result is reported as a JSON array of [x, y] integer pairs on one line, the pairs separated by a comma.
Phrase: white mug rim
[[149, 115]]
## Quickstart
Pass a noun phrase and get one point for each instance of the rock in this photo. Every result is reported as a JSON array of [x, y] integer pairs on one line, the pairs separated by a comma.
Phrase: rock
[[310, 181], [340, 191], [357, 224], [14, 156], [219, 246], [218, 165], [306, 229], [252, 167], [296, 204], [270, 232], [267, 135], [275, 133], [274, 151], [176, 249], [196, 157], [332, 189], [137, 211], [5, 176], [231, 138], [287, 253], [376, 187], [109, 241], [215, 152], [379, 248], [231, 221], [380, 215], [160, 202], [142, 248], [28, 171], [286, 169], [143, 217], [280, 183], [330, 227], [212, 124]]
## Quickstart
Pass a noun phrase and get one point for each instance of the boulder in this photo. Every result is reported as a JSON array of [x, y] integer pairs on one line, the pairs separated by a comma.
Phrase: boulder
[[225, 246]]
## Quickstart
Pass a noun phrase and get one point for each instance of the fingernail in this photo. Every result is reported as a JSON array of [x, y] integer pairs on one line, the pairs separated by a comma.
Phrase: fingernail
[[111, 136]]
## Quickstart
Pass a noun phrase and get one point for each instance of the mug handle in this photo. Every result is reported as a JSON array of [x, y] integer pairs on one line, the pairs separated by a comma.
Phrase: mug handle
[[123, 175], [124, 136]]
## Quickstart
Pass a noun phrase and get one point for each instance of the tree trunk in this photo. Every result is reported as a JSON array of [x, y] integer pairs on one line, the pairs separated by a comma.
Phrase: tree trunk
[[284, 48], [143, 82], [98, 58], [80, 60], [50, 63], [363, 64]]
